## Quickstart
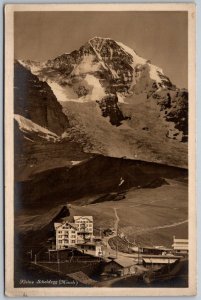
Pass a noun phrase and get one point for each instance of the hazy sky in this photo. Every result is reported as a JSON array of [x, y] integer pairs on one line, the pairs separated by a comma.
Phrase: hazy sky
[[158, 36]]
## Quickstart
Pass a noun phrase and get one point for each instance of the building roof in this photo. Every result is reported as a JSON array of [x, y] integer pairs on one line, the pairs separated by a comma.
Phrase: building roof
[[180, 247], [73, 225], [90, 218], [89, 244], [180, 244], [156, 260], [180, 240], [124, 262], [161, 256], [160, 248], [57, 225], [82, 278]]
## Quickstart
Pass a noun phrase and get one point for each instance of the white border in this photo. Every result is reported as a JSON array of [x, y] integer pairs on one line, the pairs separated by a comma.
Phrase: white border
[[9, 158]]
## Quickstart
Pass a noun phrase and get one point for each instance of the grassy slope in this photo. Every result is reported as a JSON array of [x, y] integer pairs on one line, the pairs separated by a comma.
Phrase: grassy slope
[[142, 211]]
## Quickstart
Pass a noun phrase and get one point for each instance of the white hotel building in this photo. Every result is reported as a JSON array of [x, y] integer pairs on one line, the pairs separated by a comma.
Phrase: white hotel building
[[70, 234], [84, 228]]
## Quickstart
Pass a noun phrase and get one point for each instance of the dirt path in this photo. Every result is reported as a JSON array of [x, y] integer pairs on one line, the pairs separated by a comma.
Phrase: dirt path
[[116, 223], [162, 226]]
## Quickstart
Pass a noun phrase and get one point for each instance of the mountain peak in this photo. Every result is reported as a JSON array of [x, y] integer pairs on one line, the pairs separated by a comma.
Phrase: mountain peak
[[116, 88], [99, 38]]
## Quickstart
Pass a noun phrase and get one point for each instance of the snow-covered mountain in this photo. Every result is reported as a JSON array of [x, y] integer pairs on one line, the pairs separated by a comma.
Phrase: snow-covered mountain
[[116, 103], [32, 129], [40, 126], [35, 101]]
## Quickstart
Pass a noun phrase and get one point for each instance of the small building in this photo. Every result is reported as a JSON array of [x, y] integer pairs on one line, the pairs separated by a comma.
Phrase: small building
[[91, 248], [155, 250], [120, 267], [180, 246], [158, 261], [82, 278], [84, 227], [66, 235]]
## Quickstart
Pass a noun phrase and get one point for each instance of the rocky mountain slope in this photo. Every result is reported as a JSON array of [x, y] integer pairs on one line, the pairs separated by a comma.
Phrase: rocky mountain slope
[[35, 101], [117, 103], [96, 177], [39, 123]]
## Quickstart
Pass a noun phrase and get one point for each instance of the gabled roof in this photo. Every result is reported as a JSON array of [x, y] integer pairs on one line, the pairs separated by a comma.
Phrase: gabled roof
[[156, 260], [82, 277], [73, 225], [124, 262], [90, 218], [57, 225]]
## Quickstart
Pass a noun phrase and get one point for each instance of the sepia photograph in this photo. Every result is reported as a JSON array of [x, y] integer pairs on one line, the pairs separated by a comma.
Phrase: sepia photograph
[[99, 150]]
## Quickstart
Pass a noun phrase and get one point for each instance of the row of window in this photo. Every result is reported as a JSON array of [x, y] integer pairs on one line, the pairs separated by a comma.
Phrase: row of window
[[66, 242], [83, 221], [73, 231], [73, 236], [64, 231]]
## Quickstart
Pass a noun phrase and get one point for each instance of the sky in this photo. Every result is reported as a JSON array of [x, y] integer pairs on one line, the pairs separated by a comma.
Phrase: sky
[[161, 37]]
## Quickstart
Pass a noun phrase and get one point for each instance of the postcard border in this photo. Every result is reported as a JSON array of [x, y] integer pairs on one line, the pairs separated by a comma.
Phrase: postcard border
[[9, 161]]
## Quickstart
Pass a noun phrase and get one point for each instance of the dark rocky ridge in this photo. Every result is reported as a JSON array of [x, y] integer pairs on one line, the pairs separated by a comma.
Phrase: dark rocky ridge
[[93, 177], [35, 101]]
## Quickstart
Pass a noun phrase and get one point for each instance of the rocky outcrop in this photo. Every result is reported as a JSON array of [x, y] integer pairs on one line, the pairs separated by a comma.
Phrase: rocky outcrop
[[109, 107], [35, 101], [174, 108]]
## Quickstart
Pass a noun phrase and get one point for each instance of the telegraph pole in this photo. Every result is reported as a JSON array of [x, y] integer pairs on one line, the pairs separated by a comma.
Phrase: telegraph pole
[[58, 261], [31, 254], [138, 254], [117, 250], [58, 265]]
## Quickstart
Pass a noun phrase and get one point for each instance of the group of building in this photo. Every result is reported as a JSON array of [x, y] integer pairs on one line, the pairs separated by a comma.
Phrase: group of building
[[153, 258], [78, 234]]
